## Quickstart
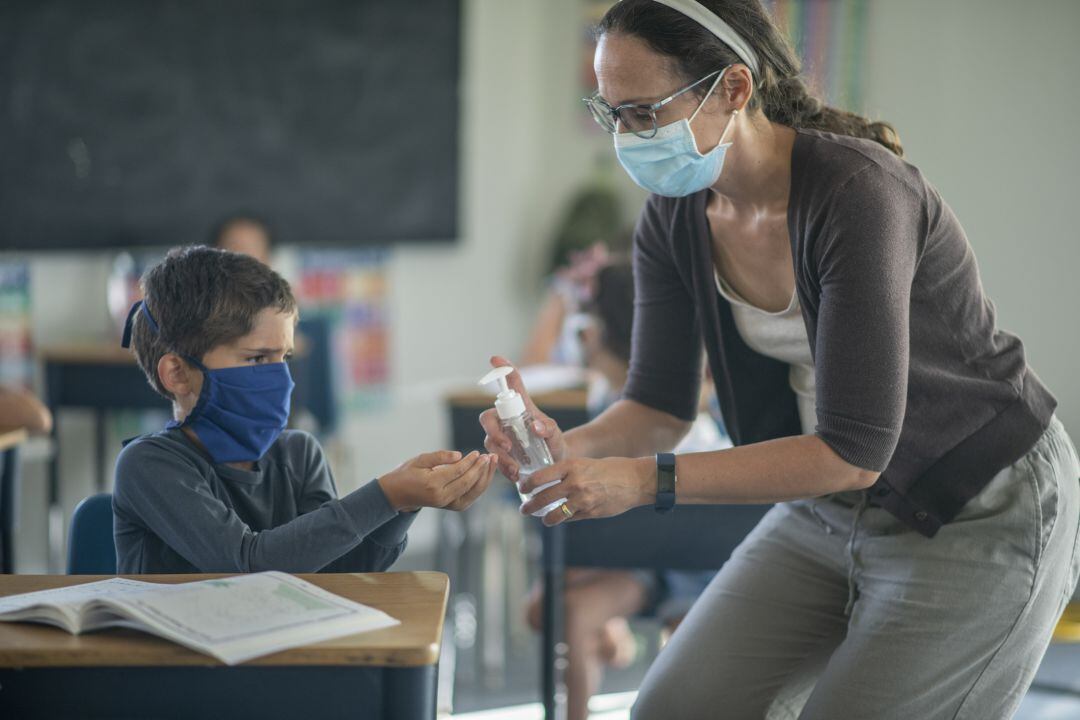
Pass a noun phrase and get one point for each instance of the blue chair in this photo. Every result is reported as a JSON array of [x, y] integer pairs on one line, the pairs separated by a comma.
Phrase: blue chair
[[91, 550]]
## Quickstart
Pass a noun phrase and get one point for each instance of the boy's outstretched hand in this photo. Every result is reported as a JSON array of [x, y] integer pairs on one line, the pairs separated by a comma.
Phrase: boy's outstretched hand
[[442, 479]]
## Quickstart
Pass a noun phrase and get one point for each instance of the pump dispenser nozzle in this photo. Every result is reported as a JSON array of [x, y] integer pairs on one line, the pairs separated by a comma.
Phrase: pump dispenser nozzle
[[508, 403]]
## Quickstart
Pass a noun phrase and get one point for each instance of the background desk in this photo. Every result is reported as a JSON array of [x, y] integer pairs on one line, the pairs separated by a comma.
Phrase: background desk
[[690, 538], [10, 439], [389, 673]]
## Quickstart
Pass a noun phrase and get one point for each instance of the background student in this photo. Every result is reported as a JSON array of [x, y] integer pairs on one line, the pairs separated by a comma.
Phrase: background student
[[598, 602]]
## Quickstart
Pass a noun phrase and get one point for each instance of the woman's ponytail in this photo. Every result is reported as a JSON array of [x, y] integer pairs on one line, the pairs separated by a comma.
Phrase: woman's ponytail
[[788, 101]]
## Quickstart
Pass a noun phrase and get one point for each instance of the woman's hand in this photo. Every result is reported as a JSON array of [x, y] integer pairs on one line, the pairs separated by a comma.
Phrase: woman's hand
[[498, 442], [439, 479], [592, 488]]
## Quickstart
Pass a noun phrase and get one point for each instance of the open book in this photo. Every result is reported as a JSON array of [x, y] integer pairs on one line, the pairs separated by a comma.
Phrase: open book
[[233, 619]]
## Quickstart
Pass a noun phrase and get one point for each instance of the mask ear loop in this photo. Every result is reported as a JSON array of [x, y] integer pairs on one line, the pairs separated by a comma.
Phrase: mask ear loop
[[702, 104], [711, 88]]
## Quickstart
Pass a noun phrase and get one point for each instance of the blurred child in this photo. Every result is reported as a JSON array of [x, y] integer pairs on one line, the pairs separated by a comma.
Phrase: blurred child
[[245, 235], [224, 488], [21, 408]]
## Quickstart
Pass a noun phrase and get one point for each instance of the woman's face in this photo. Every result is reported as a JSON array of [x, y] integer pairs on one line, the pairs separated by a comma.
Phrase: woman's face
[[629, 71]]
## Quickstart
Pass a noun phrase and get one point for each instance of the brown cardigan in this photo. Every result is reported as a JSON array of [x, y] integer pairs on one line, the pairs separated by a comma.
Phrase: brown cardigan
[[913, 378]]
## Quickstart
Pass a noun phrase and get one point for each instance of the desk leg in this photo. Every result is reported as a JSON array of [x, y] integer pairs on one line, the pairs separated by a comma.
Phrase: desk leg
[[55, 519], [553, 660], [100, 432], [410, 693], [8, 508]]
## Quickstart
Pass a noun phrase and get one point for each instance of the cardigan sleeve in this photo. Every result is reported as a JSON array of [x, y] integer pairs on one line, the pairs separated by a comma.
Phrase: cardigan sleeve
[[666, 351], [866, 259]]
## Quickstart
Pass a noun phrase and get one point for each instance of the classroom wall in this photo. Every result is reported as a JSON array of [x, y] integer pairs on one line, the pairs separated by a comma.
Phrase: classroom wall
[[525, 150], [990, 122], [985, 96]]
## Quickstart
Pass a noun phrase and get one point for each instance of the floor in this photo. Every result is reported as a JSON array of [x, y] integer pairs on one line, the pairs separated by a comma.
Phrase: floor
[[516, 698]]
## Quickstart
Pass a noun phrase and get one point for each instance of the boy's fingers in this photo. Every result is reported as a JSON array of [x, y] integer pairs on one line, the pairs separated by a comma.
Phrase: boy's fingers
[[434, 459], [467, 480], [451, 471], [481, 485]]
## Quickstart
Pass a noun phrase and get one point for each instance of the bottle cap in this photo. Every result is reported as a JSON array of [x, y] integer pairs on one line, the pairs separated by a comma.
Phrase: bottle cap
[[508, 403]]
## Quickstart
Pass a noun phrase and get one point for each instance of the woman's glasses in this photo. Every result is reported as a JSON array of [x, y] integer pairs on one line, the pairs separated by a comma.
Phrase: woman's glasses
[[631, 117]]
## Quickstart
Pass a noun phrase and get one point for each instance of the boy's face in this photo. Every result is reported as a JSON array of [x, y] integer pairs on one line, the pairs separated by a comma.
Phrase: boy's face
[[270, 341]]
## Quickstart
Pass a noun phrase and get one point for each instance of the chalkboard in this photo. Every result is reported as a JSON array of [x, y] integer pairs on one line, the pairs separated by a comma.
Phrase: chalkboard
[[138, 122]]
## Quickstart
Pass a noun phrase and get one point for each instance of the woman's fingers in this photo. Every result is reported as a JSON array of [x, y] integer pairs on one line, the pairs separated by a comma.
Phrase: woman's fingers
[[555, 517], [539, 501], [498, 442], [543, 476]]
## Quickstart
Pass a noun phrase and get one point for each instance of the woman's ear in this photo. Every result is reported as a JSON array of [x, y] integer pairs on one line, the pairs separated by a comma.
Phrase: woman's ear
[[176, 376], [737, 87]]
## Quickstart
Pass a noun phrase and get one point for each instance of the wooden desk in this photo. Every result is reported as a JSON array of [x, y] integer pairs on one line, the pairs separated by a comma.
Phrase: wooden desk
[[10, 439], [388, 673]]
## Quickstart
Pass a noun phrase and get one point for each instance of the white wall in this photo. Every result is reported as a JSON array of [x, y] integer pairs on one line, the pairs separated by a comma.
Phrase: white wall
[[986, 97]]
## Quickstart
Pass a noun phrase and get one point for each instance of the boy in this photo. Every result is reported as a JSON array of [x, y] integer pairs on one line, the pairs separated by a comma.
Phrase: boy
[[224, 488]]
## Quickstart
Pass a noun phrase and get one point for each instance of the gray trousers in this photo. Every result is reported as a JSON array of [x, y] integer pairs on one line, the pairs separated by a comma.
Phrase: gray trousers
[[832, 609]]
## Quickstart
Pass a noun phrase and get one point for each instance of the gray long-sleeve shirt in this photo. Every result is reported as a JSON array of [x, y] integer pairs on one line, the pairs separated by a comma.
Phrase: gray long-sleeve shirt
[[176, 511]]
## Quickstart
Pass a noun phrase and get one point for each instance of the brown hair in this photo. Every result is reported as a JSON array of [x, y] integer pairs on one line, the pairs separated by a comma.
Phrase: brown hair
[[613, 305], [780, 92], [201, 298]]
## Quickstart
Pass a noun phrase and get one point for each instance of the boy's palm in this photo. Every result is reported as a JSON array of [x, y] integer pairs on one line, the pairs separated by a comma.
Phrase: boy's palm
[[442, 479]]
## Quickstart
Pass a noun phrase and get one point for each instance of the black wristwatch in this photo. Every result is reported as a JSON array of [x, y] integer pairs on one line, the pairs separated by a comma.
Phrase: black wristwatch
[[665, 482]]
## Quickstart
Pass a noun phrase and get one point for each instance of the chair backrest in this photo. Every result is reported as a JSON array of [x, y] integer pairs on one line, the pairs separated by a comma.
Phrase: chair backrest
[[91, 550]]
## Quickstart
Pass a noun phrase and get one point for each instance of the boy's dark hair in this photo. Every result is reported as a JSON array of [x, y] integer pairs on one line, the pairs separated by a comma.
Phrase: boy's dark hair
[[613, 304], [201, 298]]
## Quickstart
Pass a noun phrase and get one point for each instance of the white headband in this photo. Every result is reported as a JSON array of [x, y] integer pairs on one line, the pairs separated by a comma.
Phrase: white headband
[[712, 22]]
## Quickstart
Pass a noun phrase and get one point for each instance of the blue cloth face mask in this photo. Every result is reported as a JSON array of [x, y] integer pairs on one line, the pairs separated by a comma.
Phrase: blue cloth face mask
[[241, 411], [669, 163]]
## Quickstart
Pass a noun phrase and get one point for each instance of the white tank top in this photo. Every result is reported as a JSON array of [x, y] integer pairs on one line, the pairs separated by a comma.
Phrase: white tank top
[[781, 336]]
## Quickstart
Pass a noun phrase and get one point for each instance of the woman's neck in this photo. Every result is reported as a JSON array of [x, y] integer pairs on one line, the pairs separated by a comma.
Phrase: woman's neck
[[757, 169]]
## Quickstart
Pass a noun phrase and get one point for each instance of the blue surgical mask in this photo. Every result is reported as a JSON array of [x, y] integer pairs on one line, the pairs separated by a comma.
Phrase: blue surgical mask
[[669, 163], [241, 411]]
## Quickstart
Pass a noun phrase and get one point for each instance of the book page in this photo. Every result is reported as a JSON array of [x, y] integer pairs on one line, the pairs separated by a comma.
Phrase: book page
[[71, 598], [251, 609]]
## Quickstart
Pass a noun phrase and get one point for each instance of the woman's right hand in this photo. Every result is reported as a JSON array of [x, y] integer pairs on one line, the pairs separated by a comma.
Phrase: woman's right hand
[[498, 442]]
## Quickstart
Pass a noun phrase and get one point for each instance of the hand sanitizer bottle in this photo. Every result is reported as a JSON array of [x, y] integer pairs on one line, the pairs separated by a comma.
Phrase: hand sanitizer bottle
[[527, 448]]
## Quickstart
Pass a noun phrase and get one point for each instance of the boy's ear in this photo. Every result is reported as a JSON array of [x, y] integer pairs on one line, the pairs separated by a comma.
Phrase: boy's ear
[[175, 375]]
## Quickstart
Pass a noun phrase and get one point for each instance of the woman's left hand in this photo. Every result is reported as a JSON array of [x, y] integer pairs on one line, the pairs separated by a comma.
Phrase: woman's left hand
[[592, 488]]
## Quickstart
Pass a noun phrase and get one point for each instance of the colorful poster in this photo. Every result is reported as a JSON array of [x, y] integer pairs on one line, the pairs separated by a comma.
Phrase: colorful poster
[[828, 36], [16, 356], [348, 290]]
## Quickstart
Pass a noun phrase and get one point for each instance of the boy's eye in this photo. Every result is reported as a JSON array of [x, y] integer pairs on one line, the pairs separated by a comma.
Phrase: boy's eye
[[256, 359]]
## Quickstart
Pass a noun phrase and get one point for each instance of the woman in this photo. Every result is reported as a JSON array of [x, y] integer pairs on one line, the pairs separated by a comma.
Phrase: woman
[[925, 540]]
